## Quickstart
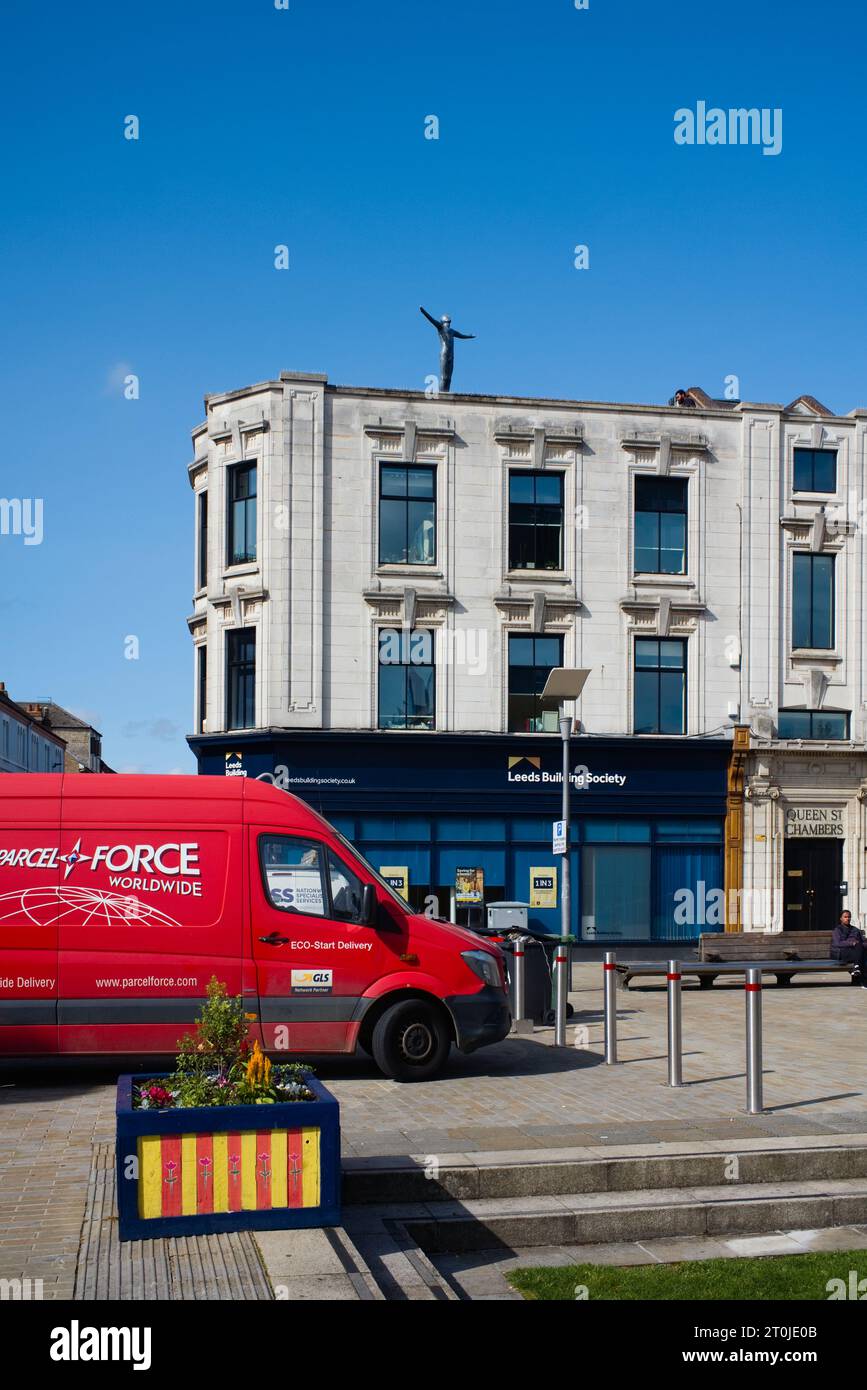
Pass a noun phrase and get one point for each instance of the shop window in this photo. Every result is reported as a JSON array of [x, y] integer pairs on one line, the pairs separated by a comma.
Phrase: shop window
[[815, 470], [813, 723], [531, 660], [406, 679], [407, 515], [660, 686], [660, 525], [813, 601], [535, 521], [615, 892], [241, 678], [241, 529]]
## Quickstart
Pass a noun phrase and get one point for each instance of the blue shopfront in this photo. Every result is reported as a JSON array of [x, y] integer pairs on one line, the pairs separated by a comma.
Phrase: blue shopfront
[[648, 820]]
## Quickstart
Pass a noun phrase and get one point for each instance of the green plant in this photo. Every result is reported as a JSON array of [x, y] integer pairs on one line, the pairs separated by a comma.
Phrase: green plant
[[217, 1066]]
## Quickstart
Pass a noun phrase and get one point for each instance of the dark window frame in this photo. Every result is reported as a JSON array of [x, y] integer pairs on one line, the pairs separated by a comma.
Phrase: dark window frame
[[382, 496], [644, 482], [234, 555], [202, 685], [535, 668], [326, 853], [202, 555], [410, 721], [814, 562], [536, 475], [812, 715], [659, 670], [238, 669], [800, 456]]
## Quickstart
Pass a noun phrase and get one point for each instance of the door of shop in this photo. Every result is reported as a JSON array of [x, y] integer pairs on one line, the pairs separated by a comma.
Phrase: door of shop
[[813, 872]]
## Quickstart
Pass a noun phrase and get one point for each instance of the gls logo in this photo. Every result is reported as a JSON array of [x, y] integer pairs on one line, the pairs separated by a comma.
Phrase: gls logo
[[170, 859], [312, 981]]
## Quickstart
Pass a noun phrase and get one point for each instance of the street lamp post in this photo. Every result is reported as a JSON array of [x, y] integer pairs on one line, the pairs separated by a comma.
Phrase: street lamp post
[[564, 683]]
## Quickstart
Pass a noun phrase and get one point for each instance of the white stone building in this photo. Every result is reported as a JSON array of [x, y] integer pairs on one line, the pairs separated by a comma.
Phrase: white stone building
[[380, 568]]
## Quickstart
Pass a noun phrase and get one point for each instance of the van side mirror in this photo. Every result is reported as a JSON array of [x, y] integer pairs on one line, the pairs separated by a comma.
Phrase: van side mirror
[[369, 906]]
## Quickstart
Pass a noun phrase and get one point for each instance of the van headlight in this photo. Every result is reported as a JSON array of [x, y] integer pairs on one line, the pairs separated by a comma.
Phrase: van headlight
[[483, 965]]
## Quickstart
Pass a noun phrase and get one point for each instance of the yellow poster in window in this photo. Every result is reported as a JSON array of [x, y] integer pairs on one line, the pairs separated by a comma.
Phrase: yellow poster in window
[[397, 878], [543, 887]]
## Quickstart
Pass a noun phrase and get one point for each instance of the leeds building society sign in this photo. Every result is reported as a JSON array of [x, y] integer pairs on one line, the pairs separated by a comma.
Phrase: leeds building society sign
[[812, 821]]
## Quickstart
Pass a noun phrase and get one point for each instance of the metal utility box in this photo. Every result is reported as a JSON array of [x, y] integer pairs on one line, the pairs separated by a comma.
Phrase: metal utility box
[[503, 917]]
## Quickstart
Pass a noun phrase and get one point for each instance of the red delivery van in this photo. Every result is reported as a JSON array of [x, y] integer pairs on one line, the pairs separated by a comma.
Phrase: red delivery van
[[120, 897]]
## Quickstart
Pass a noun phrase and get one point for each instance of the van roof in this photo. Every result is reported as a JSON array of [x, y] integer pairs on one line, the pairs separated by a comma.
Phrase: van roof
[[169, 787]]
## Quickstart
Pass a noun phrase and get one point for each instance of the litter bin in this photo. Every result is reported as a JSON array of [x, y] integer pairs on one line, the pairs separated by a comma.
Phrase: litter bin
[[549, 944], [537, 977]]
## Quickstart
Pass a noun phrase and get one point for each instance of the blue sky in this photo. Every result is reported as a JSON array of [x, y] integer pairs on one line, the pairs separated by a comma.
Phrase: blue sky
[[306, 127]]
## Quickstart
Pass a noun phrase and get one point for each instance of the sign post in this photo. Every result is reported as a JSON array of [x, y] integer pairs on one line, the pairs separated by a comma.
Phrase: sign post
[[564, 683]]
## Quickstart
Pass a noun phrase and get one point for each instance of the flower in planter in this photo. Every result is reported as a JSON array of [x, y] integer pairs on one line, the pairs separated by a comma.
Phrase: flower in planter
[[158, 1098]]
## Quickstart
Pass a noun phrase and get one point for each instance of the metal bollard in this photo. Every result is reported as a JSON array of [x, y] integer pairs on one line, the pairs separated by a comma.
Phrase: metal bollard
[[610, 987], [675, 1030], [520, 1022], [753, 992], [561, 980]]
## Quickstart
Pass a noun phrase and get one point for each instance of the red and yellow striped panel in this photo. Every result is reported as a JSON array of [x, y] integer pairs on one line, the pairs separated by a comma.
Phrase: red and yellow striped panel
[[256, 1170]]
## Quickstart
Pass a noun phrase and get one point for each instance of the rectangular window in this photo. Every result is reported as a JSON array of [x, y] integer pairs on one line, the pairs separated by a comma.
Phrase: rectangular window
[[242, 514], [241, 678], [535, 521], [615, 892], [530, 662], [202, 565], [407, 515], [202, 687], [815, 470], [660, 525], [813, 723], [660, 686], [5, 746], [293, 874], [813, 601], [407, 686]]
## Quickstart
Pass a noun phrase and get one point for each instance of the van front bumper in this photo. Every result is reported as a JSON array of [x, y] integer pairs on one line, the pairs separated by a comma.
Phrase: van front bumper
[[481, 1018]]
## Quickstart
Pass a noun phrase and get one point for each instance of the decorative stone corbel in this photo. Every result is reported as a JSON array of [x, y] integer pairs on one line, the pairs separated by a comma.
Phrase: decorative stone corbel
[[663, 458], [410, 436], [539, 603], [663, 619], [818, 531], [409, 602], [815, 685], [538, 448]]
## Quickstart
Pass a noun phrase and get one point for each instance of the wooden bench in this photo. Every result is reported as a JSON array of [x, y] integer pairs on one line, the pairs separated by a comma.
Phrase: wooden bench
[[782, 954]]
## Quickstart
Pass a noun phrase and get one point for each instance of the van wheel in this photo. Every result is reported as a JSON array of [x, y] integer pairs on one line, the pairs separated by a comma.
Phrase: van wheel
[[410, 1042]]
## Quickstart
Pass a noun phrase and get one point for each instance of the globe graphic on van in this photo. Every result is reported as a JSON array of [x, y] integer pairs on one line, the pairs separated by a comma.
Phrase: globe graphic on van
[[82, 907]]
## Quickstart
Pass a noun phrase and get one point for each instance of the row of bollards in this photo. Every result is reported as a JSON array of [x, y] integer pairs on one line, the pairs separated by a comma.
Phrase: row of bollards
[[674, 979]]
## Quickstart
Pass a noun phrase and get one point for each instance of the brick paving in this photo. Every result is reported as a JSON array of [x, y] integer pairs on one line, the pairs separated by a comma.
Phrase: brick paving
[[520, 1095]]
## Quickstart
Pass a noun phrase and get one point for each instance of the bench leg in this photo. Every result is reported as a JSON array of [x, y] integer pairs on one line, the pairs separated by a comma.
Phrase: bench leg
[[705, 981], [784, 978]]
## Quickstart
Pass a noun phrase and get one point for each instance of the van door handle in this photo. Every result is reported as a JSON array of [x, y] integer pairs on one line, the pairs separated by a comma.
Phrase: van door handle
[[275, 939]]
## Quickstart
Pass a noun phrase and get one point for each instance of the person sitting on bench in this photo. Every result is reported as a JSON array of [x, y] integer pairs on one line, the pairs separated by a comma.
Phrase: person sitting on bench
[[847, 944]]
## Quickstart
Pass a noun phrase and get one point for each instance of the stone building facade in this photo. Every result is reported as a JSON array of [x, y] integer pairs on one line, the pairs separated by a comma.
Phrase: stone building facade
[[381, 571]]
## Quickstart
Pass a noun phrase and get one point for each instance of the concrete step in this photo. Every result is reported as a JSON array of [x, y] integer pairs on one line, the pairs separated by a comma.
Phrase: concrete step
[[585, 1218], [531, 1173]]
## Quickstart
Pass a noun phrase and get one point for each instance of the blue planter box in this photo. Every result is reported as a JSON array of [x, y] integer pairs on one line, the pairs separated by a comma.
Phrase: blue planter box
[[227, 1168]]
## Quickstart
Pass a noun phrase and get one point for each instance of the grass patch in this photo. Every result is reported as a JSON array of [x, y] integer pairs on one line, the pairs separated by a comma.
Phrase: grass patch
[[797, 1277]]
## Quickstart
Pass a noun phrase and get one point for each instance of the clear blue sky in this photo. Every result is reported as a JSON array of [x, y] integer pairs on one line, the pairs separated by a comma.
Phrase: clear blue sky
[[262, 126]]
